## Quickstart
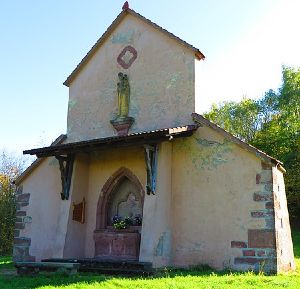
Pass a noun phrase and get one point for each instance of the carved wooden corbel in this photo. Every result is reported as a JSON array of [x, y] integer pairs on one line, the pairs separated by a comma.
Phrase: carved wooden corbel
[[151, 153], [66, 169]]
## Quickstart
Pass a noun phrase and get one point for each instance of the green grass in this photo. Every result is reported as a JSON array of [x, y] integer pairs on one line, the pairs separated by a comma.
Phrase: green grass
[[201, 277], [6, 263]]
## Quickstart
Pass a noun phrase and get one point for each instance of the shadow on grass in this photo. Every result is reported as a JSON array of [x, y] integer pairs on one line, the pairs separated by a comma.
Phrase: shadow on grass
[[85, 279], [200, 270], [49, 279], [296, 242], [56, 280]]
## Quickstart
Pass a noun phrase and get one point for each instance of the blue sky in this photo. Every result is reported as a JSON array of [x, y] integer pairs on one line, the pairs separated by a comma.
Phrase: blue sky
[[245, 43]]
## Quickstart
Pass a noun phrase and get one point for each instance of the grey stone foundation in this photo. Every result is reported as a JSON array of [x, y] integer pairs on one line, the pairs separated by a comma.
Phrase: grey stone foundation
[[21, 244]]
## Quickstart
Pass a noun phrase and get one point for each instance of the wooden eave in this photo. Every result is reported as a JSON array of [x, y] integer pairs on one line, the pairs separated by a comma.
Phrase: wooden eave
[[198, 54], [150, 137], [37, 162]]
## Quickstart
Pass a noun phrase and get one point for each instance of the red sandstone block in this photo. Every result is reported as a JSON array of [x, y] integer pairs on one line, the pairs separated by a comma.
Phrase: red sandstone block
[[22, 241], [261, 197], [23, 198], [248, 253], [261, 253], [257, 214], [24, 204], [261, 238], [21, 214], [258, 177], [19, 226], [238, 244], [247, 260], [262, 214]]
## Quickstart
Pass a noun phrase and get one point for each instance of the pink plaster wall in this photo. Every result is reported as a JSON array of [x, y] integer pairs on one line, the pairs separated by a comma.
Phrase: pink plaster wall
[[212, 199]]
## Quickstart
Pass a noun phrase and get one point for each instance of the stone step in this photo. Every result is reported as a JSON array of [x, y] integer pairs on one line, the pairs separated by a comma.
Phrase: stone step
[[108, 266], [29, 268]]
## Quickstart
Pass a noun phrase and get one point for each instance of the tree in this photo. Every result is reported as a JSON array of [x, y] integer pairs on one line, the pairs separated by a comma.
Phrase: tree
[[240, 119], [10, 168]]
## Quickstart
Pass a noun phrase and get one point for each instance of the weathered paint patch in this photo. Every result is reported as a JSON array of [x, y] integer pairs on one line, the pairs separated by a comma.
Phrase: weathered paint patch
[[206, 154], [193, 247], [174, 78], [159, 247], [123, 37], [71, 104], [163, 247]]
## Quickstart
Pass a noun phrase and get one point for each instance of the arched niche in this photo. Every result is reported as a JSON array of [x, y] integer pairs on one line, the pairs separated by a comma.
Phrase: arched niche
[[122, 194], [124, 201]]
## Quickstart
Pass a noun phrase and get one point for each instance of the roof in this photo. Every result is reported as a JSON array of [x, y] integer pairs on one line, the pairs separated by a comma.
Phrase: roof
[[115, 23], [146, 137], [141, 138], [204, 121], [21, 177]]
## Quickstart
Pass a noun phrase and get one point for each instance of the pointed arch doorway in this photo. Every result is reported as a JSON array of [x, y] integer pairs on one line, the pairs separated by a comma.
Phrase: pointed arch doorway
[[119, 217]]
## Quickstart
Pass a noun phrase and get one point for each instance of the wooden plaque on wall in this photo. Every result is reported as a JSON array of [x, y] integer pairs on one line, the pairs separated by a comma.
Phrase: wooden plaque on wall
[[79, 212]]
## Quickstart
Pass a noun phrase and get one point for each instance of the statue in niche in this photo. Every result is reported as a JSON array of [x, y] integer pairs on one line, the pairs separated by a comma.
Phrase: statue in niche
[[123, 96], [123, 121], [130, 207]]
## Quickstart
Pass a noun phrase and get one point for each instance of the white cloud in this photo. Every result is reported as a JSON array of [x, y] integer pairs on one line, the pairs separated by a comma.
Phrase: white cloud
[[253, 64]]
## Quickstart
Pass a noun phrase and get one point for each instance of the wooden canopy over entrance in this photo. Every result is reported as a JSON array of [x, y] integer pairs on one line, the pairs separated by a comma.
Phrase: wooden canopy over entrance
[[65, 153], [148, 137]]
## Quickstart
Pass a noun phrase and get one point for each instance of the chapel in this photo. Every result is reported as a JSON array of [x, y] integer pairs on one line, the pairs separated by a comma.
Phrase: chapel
[[141, 177]]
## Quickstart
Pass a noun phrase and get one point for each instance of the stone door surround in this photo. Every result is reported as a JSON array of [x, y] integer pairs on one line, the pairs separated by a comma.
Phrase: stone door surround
[[110, 243]]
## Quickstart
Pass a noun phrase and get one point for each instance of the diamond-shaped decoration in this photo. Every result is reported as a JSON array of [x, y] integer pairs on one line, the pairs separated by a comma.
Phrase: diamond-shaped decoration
[[127, 57]]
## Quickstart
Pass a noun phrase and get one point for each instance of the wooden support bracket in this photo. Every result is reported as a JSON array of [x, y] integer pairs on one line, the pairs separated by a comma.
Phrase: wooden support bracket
[[66, 169], [151, 153]]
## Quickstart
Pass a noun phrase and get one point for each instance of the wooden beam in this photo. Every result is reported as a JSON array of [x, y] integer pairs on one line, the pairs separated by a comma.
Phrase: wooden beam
[[66, 170], [151, 154]]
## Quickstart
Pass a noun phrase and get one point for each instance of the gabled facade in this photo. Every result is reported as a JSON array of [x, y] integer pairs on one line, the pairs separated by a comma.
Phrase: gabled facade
[[140, 177], [161, 66]]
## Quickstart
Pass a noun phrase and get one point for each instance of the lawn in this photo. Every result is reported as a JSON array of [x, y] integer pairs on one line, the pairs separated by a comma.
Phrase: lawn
[[201, 278]]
